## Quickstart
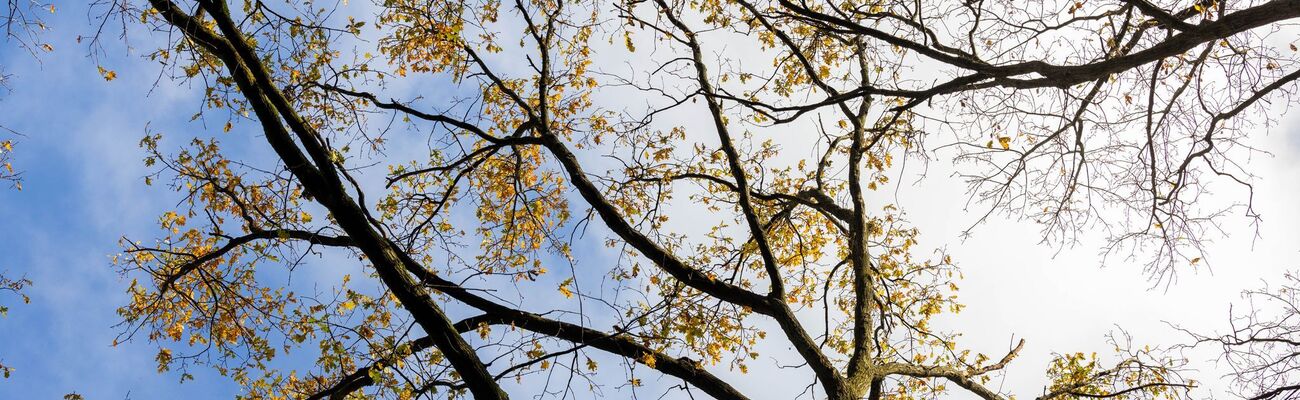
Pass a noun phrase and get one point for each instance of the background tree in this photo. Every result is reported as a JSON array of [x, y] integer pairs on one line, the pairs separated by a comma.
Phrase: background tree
[[737, 158], [1260, 343]]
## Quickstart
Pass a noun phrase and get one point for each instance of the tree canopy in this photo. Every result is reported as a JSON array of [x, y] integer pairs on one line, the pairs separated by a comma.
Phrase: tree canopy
[[571, 198]]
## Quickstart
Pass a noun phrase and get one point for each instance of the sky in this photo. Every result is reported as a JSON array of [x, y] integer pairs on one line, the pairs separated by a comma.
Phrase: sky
[[83, 190]]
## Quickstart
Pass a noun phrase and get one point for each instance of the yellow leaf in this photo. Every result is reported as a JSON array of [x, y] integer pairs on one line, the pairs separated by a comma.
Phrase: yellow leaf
[[176, 330], [164, 359], [108, 74], [1005, 142], [564, 288]]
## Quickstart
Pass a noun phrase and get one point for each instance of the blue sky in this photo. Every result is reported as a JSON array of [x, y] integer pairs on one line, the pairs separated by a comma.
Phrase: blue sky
[[83, 191]]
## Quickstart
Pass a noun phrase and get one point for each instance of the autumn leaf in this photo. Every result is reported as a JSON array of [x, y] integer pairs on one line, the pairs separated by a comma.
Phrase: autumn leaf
[[108, 74], [564, 288]]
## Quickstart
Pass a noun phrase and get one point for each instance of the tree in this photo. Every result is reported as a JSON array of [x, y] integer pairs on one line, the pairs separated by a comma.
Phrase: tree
[[1102, 116], [1260, 344]]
